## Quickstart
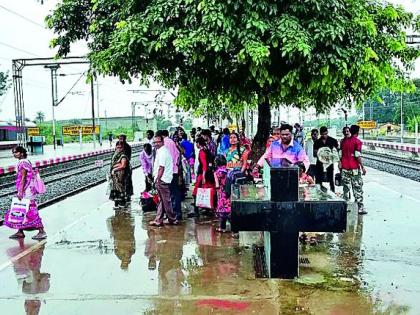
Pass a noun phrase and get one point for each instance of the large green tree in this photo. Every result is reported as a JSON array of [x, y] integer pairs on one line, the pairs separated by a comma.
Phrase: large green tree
[[225, 53]]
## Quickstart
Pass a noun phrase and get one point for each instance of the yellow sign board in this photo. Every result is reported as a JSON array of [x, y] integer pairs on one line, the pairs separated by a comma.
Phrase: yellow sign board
[[232, 128], [367, 124], [33, 131], [75, 130]]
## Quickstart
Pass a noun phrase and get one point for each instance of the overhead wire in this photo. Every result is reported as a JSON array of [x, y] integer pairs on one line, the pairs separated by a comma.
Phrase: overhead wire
[[19, 49], [77, 81], [22, 16]]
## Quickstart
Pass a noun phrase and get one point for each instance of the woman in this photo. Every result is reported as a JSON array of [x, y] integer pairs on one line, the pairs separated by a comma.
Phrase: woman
[[236, 155], [205, 176], [25, 190], [146, 161], [120, 176]]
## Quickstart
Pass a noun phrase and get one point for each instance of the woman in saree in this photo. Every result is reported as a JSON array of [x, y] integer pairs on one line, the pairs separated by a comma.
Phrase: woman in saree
[[120, 176], [25, 190]]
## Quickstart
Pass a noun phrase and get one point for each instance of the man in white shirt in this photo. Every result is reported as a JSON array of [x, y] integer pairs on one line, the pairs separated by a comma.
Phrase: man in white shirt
[[309, 148], [163, 173]]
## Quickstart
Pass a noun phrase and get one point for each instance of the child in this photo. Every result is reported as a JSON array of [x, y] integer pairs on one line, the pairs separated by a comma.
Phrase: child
[[303, 177], [223, 202]]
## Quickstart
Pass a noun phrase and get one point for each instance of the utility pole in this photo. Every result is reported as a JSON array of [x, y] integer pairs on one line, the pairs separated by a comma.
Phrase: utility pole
[[53, 68], [97, 109], [92, 96], [402, 120]]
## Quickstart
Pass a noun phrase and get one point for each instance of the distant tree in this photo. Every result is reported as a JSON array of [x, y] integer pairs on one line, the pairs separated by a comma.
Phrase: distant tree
[[261, 53], [4, 82], [188, 124], [162, 122], [40, 117]]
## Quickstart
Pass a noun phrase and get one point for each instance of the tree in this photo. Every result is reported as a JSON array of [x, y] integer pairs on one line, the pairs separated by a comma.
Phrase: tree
[[255, 52], [386, 106], [4, 83], [40, 117]]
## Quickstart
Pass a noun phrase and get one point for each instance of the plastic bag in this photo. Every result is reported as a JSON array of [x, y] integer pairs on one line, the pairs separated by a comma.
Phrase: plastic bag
[[18, 210], [205, 198]]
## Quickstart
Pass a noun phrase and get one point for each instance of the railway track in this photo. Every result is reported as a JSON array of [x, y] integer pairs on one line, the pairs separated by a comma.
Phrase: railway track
[[392, 164], [64, 180], [394, 160]]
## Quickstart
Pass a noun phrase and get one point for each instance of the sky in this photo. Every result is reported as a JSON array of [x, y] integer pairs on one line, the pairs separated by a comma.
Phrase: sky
[[23, 35]]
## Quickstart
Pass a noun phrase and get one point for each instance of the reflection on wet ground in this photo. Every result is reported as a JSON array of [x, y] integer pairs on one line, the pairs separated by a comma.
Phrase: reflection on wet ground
[[111, 262]]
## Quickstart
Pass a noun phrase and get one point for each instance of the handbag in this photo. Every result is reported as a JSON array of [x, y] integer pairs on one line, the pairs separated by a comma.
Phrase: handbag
[[18, 210], [205, 198], [38, 184], [338, 179]]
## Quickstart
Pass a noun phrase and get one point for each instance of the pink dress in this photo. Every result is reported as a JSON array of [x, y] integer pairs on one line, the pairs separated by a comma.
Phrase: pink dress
[[223, 202], [33, 220]]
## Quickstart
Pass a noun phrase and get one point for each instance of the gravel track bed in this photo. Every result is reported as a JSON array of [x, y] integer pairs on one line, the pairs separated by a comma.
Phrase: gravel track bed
[[68, 184], [407, 170]]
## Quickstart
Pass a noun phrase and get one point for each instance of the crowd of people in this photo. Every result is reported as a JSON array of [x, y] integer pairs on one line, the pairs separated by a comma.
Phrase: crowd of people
[[211, 159]]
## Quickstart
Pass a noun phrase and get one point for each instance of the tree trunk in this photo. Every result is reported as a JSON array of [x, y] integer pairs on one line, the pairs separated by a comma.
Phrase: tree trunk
[[263, 129]]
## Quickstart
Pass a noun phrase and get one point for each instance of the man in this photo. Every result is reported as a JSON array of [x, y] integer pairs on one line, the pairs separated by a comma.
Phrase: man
[[176, 159], [224, 144], [299, 134], [162, 173], [149, 136], [330, 142], [352, 167], [309, 149], [285, 148], [127, 148], [110, 138]]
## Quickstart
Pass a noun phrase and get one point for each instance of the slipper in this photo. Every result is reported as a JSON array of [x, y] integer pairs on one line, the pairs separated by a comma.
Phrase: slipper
[[154, 223], [41, 236], [16, 236]]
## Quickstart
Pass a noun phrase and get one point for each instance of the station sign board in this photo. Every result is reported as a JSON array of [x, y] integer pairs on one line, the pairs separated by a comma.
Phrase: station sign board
[[33, 131], [367, 124], [74, 130]]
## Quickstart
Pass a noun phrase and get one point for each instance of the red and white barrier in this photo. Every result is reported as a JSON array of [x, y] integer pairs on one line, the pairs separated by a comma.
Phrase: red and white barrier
[[393, 146], [58, 160]]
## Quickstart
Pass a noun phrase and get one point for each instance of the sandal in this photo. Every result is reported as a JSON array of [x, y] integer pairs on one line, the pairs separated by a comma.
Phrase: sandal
[[154, 223], [40, 236], [17, 236]]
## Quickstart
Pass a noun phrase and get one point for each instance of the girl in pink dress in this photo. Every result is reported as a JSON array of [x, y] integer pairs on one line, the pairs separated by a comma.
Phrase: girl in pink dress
[[25, 189], [303, 177], [223, 208]]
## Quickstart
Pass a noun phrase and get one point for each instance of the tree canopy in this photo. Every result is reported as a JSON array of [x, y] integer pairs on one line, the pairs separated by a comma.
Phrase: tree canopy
[[4, 83], [225, 53]]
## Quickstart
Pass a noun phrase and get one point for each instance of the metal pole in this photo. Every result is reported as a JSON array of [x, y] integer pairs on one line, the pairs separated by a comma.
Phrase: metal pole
[[53, 69], [93, 113], [402, 120], [99, 120], [416, 132]]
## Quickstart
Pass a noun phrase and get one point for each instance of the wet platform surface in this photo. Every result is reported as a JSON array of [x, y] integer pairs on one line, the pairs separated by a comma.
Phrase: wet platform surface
[[100, 261]]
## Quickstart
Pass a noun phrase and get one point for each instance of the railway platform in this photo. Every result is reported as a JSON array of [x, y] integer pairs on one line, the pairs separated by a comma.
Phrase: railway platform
[[99, 260]]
